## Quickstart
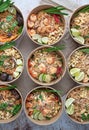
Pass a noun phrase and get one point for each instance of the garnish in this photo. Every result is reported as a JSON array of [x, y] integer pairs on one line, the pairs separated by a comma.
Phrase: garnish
[[16, 109], [85, 9], [55, 48], [77, 27], [5, 4], [8, 87], [2, 59], [56, 10], [20, 30], [86, 36], [3, 106], [85, 117], [9, 18], [85, 50], [87, 88], [41, 97], [7, 46]]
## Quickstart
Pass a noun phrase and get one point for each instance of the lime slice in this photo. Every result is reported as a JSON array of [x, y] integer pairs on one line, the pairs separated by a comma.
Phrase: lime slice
[[41, 117], [39, 40], [80, 39], [70, 109], [80, 77], [47, 78], [45, 40], [36, 36], [69, 101], [75, 32], [41, 77], [74, 71]]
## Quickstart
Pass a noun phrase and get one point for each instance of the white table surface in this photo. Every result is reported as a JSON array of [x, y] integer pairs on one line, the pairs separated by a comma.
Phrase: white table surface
[[22, 123]]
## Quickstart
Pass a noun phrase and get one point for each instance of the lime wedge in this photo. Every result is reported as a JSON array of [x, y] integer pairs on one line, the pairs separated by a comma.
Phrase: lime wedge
[[75, 32], [70, 109], [74, 71], [80, 77], [69, 101], [80, 39], [36, 36], [45, 40]]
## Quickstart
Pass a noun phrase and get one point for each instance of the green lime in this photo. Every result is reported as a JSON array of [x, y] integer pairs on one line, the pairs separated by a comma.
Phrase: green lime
[[74, 71], [70, 109], [69, 101], [75, 32], [80, 77], [80, 39]]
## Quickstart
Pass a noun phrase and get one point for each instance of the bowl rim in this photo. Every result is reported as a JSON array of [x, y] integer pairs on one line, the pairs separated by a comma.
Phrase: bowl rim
[[44, 7], [68, 65], [71, 17], [19, 10], [41, 123], [7, 82], [74, 120], [18, 114], [37, 81]]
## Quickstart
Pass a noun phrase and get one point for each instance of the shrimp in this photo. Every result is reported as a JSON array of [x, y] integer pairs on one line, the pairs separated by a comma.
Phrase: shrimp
[[28, 104], [33, 73], [30, 24], [42, 68], [32, 32], [48, 29], [33, 17], [41, 30], [40, 15], [50, 60], [52, 70]]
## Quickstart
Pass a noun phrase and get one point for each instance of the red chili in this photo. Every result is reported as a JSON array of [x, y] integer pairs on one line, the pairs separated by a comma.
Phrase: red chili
[[56, 17], [59, 70]]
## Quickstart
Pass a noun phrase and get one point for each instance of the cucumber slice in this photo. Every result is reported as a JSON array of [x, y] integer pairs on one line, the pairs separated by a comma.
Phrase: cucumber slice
[[45, 40], [36, 36], [35, 116], [41, 117], [75, 32], [19, 62], [19, 69]]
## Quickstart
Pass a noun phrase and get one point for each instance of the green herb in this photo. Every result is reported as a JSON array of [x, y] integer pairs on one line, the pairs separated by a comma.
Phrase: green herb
[[1, 1], [14, 25], [3, 106], [54, 76], [87, 88], [48, 118], [8, 87], [20, 30], [55, 48], [5, 4], [86, 36], [77, 26], [85, 9], [7, 46], [85, 117], [16, 109], [41, 97], [9, 18], [85, 50], [56, 10], [2, 59]]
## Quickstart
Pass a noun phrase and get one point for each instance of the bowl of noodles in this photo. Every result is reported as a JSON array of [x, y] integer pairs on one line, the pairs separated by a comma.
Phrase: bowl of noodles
[[11, 22], [46, 24], [43, 105], [77, 104], [79, 25]]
